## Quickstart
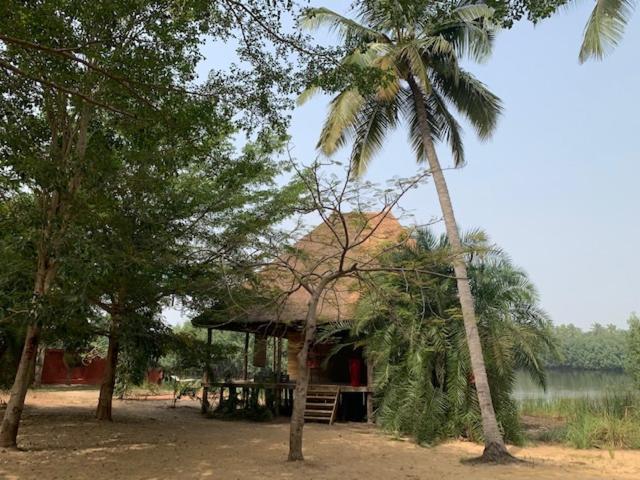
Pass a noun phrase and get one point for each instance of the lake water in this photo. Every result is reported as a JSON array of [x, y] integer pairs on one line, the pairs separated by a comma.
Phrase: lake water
[[572, 384]]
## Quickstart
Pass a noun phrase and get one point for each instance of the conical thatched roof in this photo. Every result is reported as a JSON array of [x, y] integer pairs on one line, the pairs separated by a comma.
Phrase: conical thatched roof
[[317, 253], [320, 252]]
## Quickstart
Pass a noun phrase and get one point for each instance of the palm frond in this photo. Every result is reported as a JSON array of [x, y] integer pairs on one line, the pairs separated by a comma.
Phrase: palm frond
[[307, 94], [469, 29], [408, 107], [450, 129], [349, 30], [470, 97], [410, 53], [343, 111], [375, 121], [605, 27]]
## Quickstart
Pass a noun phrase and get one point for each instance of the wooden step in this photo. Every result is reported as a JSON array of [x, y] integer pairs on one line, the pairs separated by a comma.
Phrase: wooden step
[[321, 403]]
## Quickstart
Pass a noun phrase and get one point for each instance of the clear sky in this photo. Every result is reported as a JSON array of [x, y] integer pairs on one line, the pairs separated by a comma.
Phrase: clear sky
[[556, 187]]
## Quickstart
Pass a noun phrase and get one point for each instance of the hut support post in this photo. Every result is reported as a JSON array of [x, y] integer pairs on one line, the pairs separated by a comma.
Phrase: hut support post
[[205, 377], [370, 418], [245, 370], [275, 354], [278, 370]]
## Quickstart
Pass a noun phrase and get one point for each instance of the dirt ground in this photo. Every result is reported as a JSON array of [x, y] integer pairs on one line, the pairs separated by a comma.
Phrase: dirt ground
[[148, 440]]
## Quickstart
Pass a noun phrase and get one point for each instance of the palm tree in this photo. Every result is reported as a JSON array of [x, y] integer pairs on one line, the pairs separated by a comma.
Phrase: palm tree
[[605, 27], [408, 325], [417, 45]]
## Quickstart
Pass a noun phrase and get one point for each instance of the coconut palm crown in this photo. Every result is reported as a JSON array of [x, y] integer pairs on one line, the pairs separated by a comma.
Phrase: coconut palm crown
[[412, 42]]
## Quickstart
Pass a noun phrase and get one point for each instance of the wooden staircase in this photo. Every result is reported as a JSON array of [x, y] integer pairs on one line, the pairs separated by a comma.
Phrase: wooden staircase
[[322, 403]]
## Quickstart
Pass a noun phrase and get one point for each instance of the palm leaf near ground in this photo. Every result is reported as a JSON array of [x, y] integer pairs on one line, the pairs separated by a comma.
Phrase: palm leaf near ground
[[418, 46], [605, 27]]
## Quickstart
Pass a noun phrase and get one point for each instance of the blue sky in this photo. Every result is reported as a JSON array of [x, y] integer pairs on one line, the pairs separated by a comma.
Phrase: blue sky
[[556, 187]]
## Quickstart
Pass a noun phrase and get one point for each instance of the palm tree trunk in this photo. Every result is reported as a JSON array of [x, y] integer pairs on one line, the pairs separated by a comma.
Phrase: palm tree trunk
[[494, 447], [302, 382]]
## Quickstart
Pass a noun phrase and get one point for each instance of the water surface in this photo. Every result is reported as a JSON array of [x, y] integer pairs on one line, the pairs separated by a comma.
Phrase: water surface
[[572, 384]]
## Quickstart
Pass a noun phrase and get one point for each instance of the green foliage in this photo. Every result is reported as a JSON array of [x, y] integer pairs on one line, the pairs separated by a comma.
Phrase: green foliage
[[607, 422], [413, 331], [601, 348], [632, 364], [188, 354], [507, 12], [142, 342]]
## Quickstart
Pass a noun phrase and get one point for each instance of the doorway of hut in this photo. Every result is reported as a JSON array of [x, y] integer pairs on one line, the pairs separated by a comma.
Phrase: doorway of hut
[[345, 367]]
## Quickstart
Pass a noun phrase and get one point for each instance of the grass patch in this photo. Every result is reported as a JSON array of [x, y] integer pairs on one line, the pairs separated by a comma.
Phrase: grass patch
[[608, 422]]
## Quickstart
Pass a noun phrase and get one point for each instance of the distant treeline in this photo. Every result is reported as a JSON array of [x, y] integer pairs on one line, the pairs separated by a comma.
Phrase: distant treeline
[[601, 348]]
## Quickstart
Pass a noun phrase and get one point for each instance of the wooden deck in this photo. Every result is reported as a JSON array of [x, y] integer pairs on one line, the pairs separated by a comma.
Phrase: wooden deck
[[283, 396], [285, 385]]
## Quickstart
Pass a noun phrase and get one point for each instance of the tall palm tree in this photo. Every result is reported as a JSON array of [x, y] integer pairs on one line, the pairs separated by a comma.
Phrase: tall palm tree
[[417, 46], [605, 27]]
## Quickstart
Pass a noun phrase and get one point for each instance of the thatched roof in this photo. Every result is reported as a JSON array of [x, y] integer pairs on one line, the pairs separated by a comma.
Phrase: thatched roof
[[317, 253]]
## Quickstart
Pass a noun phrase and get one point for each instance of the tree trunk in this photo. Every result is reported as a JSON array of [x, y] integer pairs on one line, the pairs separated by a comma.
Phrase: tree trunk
[[45, 274], [302, 382], [494, 447], [56, 217], [13, 413], [37, 377], [370, 414], [204, 407], [105, 401]]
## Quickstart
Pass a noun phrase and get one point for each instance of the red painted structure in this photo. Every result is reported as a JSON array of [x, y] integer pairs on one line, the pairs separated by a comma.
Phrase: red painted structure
[[355, 369], [55, 371]]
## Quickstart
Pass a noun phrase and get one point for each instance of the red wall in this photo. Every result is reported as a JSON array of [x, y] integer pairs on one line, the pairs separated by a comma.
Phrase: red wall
[[55, 372]]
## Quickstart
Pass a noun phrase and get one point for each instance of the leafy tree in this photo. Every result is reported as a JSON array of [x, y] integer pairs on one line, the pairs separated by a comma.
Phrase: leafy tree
[[418, 46], [166, 223], [52, 105], [16, 220], [632, 365], [412, 328], [601, 348], [79, 77]]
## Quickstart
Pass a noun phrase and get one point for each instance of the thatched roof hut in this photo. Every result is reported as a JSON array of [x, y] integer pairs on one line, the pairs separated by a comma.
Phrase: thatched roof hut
[[355, 238]]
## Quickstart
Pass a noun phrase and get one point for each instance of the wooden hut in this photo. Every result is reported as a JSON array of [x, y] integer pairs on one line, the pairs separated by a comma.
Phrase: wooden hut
[[344, 376]]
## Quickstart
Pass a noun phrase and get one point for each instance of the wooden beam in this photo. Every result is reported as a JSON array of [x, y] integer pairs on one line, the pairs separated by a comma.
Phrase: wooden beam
[[278, 374], [245, 371], [204, 408], [369, 394]]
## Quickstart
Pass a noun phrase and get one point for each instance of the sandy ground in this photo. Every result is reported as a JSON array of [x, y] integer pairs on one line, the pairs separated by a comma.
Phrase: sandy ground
[[148, 440]]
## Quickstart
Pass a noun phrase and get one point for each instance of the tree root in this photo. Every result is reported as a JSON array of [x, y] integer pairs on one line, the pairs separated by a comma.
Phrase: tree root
[[295, 457], [494, 454]]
